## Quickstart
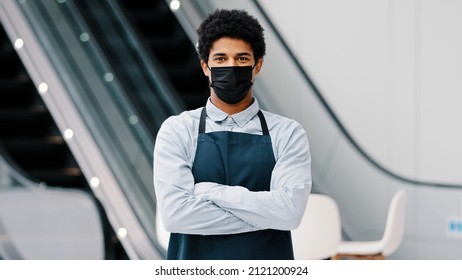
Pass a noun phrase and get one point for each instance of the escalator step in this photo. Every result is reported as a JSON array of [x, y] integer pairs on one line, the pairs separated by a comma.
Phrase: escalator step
[[30, 153], [188, 77], [169, 49], [11, 66], [195, 100], [31, 122], [16, 93], [59, 177], [9, 59], [140, 4], [152, 25]]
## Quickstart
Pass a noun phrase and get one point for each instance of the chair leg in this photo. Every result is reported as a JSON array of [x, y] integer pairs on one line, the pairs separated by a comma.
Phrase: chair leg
[[378, 256]]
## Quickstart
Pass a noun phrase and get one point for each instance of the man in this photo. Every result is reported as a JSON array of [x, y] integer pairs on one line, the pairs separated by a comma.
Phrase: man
[[231, 180]]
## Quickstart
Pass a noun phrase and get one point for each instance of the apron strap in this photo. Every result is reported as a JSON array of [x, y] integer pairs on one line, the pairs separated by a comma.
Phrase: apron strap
[[202, 121], [264, 126]]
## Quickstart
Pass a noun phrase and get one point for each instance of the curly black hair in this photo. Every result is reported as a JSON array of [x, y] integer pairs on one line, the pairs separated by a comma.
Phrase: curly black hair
[[237, 24]]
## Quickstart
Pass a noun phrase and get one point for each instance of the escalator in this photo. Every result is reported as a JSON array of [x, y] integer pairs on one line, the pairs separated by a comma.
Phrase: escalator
[[91, 95], [157, 43], [161, 33], [94, 108], [28, 132], [31, 141]]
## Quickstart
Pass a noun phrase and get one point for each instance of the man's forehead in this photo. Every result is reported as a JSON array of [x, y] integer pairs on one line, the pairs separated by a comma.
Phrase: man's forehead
[[229, 46]]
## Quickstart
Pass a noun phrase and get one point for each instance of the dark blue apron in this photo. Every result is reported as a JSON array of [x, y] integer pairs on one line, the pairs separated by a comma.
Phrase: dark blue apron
[[234, 159]]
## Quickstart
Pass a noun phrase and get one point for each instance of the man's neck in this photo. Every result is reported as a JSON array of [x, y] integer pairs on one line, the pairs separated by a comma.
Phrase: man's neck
[[232, 109]]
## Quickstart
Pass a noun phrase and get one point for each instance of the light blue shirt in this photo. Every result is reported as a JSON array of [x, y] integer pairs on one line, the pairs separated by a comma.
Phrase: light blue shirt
[[209, 208]]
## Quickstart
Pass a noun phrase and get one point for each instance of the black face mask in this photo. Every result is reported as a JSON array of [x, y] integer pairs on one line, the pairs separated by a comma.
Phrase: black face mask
[[232, 83]]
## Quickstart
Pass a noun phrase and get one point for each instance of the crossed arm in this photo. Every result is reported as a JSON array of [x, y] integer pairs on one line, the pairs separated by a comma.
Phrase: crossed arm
[[210, 208]]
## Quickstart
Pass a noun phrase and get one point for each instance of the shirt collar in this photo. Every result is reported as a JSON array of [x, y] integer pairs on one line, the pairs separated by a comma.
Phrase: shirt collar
[[241, 118]]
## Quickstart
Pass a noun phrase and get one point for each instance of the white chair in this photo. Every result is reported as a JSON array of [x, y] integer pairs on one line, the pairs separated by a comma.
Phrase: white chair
[[319, 233], [391, 238]]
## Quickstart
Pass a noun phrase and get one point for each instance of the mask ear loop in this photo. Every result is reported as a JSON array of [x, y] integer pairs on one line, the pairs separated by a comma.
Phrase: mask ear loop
[[255, 65], [210, 79]]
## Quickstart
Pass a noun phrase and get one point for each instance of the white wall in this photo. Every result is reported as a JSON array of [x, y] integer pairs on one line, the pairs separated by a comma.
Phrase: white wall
[[391, 70]]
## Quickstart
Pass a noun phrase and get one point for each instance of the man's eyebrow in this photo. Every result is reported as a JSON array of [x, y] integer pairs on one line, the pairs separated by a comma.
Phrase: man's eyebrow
[[238, 54]]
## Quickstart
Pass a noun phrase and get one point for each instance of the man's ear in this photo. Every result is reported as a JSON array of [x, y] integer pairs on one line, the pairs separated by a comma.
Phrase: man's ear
[[258, 65], [205, 68]]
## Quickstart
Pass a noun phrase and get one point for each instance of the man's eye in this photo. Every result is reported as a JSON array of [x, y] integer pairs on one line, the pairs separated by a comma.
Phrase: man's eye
[[243, 58], [219, 58]]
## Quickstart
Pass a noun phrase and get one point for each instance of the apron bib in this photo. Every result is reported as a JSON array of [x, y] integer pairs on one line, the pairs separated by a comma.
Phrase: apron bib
[[241, 159]]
